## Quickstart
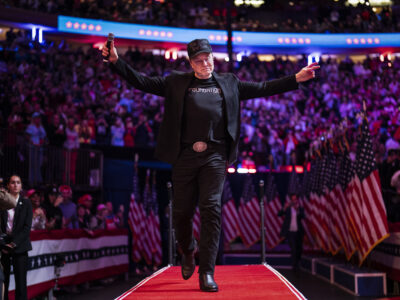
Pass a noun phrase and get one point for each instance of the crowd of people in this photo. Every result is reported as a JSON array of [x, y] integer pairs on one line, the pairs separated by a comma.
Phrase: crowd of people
[[87, 104], [51, 208], [69, 97], [299, 16], [54, 208]]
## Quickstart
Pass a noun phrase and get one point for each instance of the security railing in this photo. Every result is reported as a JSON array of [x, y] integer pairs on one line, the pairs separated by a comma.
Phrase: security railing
[[39, 165]]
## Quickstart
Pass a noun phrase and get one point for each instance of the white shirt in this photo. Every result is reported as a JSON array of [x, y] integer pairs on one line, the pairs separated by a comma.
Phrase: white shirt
[[293, 220], [11, 213]]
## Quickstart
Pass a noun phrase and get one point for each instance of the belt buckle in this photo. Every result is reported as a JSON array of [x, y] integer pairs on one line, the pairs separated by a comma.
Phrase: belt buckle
[[199, 146]]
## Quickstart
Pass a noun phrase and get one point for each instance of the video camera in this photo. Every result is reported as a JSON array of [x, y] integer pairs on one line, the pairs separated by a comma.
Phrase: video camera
[[4, 240]]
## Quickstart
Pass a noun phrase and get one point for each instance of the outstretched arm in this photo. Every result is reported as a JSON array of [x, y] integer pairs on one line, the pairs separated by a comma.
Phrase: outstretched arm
[[249, 90], [152, 85]]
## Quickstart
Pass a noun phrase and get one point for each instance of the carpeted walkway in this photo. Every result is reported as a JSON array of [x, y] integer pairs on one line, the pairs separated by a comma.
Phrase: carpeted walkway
[[235, 282]]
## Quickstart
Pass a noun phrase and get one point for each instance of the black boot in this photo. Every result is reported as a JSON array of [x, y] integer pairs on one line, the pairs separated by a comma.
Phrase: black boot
[[207, 283], [188, 265]]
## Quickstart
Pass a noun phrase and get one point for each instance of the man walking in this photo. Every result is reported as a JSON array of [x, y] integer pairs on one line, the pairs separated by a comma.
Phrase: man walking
[[199, 136]]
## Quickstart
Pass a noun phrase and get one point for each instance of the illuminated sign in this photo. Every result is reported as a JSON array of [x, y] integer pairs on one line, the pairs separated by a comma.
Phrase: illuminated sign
[[297, 41], [255, 3], [370, 2]]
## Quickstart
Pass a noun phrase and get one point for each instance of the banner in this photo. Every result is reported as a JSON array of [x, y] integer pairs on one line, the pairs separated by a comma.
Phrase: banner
[[87, 257]]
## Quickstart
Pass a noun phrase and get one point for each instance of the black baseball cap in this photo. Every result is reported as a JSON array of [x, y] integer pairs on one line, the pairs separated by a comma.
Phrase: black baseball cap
[[198, 46]]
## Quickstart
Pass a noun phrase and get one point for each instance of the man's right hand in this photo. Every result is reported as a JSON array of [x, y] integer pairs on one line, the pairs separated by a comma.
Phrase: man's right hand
[[113, 52]]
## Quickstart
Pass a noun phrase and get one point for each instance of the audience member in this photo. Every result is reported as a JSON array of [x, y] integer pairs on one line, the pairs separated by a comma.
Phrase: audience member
[[72, 144], [83, 218], [87, 202], [56, 136], [68, 208], [101, 216], [39, 216], [117, 133], [51, 207], [110, 218], [37, 138], [130, 131]]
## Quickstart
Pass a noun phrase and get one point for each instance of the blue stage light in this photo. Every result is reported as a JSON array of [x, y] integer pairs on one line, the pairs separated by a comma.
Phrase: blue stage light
[[303, 42]]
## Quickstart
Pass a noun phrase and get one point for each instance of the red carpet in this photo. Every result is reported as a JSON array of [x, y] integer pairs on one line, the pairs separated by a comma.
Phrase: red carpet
[[235, 282]]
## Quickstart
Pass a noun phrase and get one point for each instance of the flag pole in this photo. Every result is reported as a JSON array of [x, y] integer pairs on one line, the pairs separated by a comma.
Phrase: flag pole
[[170, 227], [262, 227]]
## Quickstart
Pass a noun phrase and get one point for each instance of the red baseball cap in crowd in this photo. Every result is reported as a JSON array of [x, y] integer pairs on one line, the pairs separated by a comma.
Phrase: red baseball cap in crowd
[[65, 191], [84, 199], [101, 207], [31, 192]]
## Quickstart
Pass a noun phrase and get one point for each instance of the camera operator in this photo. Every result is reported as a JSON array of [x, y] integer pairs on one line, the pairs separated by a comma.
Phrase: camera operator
[[6, 202], [16, 223]]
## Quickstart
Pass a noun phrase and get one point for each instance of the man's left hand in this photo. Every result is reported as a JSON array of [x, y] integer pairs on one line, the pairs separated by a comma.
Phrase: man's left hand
[[307, 73]]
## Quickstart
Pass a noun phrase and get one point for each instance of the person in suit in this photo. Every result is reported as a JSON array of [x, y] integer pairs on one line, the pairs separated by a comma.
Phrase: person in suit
[[199, 137], [6, 202], [292, 228], [16, 223]]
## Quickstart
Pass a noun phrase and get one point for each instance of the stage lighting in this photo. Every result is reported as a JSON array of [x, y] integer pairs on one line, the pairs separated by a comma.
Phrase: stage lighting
[[40, 38], [231, 170], [313, 57], [33, 33]]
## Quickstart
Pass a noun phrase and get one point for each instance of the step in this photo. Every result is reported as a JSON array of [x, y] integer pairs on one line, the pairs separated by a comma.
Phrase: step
[[276, 260]]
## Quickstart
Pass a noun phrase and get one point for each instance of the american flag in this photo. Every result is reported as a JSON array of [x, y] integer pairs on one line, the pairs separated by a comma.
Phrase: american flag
[[317, 212], [334, 223], [135, 219], [157, 246], [338, 200], [346, 174], [273, 223], [353, 195], [230, 217], [147, 228], [196, 224], [374, 219], [305, 190], [249, 214]]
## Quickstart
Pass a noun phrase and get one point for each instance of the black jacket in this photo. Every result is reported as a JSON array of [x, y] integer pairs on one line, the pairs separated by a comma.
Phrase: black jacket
[[174, 86], [286, 222], [22, 224]]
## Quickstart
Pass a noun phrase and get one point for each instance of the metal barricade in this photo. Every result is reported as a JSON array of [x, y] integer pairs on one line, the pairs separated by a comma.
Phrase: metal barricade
[[40, 165], [13, 154]]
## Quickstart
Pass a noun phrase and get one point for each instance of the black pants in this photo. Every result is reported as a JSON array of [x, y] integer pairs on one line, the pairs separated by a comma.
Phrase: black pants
[[1, 282], [199, 178], [295, 240], [20, 267]]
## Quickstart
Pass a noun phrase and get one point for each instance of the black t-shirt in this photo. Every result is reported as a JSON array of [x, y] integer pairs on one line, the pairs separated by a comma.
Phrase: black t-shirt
[[204, 112]]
